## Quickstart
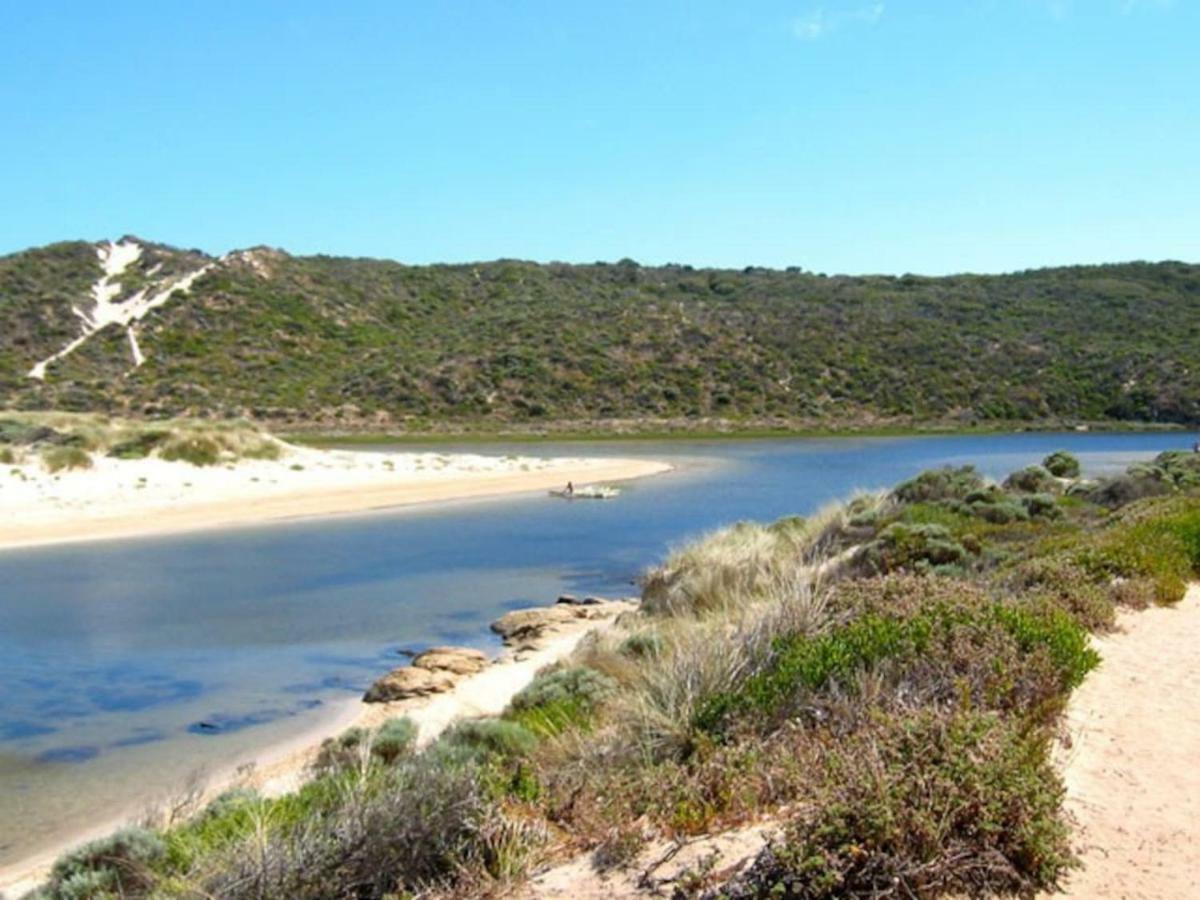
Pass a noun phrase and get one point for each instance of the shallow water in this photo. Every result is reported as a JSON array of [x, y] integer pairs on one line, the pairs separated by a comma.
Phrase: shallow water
[[127, 666]]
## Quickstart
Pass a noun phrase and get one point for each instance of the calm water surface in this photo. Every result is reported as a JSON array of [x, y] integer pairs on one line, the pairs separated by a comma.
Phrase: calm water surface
[[126, 667]]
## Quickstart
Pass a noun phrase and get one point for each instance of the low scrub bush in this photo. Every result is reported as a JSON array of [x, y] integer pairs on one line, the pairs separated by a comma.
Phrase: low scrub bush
[[1061, 464], [924, 805], [58, 459], [947, 483], [116, 866], [560, 699], [912, 547], [484, 738], [1162, 545], [139, 446], [394, 739], [199, 450], [1032, 480]]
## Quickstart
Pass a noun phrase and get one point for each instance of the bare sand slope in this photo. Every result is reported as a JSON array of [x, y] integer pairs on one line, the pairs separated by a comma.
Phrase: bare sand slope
[[1132, 761]]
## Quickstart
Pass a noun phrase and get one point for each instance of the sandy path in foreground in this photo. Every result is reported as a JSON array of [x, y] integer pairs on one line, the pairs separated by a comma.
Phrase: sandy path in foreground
[[1132, 765], [239, 497]]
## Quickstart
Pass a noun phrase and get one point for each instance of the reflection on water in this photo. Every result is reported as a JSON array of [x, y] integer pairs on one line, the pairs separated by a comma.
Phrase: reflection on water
[[126, 666]]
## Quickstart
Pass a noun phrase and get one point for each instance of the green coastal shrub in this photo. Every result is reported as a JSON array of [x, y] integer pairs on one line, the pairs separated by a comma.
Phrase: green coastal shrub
[[922, 805], [1062, 464], [483, 738], [394, 739], [912, 547], [139, 446], [199, 450], [946, 483], [1058, 580], [341, 752], [1032, 480], [642, 645], [58, 459], [560, 699], [116, 866], [1159, 544]]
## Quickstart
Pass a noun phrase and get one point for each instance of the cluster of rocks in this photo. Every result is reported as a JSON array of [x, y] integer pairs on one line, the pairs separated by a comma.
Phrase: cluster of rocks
[[432, 672], [438, 669]]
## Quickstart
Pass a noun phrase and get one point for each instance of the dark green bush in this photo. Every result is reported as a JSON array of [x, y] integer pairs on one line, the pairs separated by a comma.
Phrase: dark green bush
[[140, 446], [924, 805], [1032, 480], [116, 866], [483, 738], [199, 450], [1062, 464], [57, 459], [947, 483], [394, 739], [911, 547]]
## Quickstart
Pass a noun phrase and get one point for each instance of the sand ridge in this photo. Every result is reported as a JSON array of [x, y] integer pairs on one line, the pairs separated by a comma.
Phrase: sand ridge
[[135, 498]]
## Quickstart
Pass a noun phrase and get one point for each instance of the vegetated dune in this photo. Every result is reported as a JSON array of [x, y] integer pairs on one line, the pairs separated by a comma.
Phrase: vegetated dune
[[328, 343], [877, 690], [87, 477]]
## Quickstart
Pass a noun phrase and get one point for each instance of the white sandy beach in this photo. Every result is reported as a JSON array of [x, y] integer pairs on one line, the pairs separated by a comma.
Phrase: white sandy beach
[[130, 498]]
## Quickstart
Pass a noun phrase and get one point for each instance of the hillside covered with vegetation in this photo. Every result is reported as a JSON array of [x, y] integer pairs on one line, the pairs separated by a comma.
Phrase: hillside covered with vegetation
[[881, 684], [329, 342]]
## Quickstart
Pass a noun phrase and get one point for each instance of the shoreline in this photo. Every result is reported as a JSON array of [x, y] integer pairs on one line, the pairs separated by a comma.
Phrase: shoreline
[[281, 767], [348, 437], [246, 502]]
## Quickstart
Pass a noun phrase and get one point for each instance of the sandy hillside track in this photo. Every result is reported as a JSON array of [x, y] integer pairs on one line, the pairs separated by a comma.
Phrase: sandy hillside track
[[1132, 761]]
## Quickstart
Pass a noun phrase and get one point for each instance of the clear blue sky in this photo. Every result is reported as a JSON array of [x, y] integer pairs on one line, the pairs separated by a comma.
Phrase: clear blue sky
[[981, 135]]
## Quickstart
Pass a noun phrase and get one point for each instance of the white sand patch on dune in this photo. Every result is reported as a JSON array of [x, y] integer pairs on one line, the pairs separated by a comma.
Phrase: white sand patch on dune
[[107, 310]]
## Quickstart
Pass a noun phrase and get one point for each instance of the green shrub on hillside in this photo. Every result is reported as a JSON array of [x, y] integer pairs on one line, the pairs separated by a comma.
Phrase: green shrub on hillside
[[922, 805], [946, 483], [393, 739], [1062, 464], [1032, 480], [58, 459], [490, 737], [116, 866], [912, 547], [199, 450]]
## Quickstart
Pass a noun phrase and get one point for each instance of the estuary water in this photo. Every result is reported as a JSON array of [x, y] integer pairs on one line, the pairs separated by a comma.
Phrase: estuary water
[[128, 667]]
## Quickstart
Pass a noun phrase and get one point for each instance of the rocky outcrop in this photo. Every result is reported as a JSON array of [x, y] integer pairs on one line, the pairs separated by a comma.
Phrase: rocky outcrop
[[455, 660], [407, 682], [438, 669], [433, 671]]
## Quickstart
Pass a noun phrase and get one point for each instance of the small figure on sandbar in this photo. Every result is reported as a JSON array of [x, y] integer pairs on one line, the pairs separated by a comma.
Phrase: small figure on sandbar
[[570, 489]]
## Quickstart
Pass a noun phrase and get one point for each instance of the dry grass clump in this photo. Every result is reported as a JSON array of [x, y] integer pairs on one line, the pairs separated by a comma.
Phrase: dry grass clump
[[748, 562], [186, 440], [58, 459]]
